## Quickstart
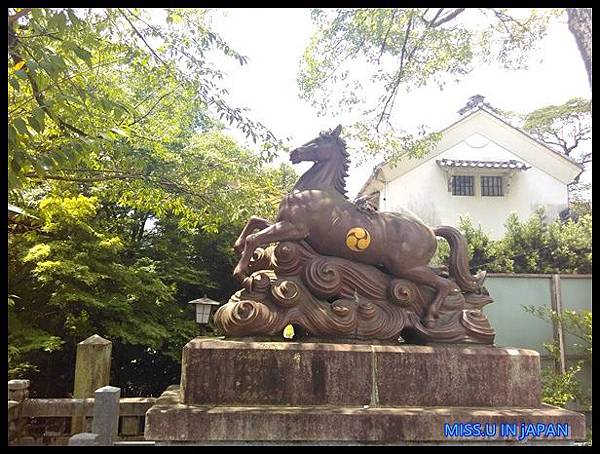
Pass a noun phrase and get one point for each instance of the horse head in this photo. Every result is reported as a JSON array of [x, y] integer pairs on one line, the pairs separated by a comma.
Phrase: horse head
[[326, 146]]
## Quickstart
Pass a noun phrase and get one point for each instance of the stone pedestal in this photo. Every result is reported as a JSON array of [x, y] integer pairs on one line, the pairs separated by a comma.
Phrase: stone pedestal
[[245, 391]]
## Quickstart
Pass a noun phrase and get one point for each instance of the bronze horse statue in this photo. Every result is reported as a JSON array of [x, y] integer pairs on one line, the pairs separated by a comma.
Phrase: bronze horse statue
[[318, 211]]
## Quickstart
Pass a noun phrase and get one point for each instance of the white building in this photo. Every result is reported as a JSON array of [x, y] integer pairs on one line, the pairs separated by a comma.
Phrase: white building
[[482, 167]]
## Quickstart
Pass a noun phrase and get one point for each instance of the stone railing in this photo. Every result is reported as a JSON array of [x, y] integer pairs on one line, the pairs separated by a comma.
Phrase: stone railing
[[48, 421], [43, 421]]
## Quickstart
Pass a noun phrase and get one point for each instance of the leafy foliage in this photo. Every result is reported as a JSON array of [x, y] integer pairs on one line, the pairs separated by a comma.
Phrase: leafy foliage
[[402, 49], [560, 388], [531, 246], [563, 126], [97, 266], [86, 85], [558, 247], [116, 148]]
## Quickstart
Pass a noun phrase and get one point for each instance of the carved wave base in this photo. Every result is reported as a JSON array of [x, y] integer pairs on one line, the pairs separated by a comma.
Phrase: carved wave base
[[332, 297]]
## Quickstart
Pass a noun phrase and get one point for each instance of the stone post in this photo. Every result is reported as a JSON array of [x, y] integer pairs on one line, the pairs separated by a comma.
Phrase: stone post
[[92, 371], [18, 391], [106, 414]]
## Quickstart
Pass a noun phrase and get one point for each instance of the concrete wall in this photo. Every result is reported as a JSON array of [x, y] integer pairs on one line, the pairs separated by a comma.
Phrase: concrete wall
[[424, 190], [517, 328]]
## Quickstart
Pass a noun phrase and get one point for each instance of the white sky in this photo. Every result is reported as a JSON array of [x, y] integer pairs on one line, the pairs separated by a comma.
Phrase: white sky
[[275, 39]]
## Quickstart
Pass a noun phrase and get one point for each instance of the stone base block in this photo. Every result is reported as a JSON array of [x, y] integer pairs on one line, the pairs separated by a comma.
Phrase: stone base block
[[229, 372], [171, 422]]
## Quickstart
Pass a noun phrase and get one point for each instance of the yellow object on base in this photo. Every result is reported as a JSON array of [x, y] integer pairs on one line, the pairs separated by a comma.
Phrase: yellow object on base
[[288, 332]]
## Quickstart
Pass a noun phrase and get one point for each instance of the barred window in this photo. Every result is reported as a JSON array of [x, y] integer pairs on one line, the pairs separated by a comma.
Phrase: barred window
[[462, 185], [491, 187]]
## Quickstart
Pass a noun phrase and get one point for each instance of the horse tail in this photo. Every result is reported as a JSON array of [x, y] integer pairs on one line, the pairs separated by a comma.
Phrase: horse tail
[[459, 260]]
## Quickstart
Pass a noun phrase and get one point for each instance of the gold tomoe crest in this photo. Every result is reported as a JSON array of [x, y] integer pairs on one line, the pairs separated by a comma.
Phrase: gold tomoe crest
[[358, 239]]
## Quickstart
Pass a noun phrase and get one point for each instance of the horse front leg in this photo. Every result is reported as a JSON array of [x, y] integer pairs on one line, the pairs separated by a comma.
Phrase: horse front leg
[[253, 223], [280, 231]]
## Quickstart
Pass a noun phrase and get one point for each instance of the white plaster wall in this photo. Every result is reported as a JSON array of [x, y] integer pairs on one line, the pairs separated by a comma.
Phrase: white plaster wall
[[424, 191]]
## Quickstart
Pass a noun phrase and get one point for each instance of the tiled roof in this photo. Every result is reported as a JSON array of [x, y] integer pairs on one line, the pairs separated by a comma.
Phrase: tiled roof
[[512, 164]]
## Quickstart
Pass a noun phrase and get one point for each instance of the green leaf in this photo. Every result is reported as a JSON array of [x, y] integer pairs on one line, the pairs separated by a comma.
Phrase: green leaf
[[15, 166], [32, 65], [39, 169], [58, 61], [14, 83], [35, 124], [50, 68], [105, 104], [13, 181], [21, 74], [39, 114], [19, 156], [59, 157], [47, 162], [21, 126], [73, 17], [83, 54], [61, 20], [37, 14], [12, 135]]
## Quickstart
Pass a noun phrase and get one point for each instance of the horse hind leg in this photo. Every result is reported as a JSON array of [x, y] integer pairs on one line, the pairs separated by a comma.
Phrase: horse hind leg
[[426, 276]]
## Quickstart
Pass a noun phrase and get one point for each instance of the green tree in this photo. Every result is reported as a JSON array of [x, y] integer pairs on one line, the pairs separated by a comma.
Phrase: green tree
[[540, 247], [405, 48], [115, 146], [528, 246], [98, 265], [560, 388], [564, 128], [84, 85]]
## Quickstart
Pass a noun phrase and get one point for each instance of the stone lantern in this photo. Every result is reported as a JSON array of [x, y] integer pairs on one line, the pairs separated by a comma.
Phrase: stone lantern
[[204, 307]]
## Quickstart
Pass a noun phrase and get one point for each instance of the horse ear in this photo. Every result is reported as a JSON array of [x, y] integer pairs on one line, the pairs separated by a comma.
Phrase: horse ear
[[336, 131]]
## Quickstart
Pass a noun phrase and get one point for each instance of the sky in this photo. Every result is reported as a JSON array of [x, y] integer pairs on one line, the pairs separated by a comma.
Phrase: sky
[[275, 39]]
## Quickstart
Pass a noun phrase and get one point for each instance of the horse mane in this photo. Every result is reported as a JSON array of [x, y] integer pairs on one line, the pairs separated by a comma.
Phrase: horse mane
[[339, 181]]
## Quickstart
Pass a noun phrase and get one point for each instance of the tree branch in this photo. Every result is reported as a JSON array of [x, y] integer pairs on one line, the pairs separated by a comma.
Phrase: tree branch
[[400, 72], [154, 106], [446, 18], [38, 95], [58, 82], [107, 175], [386, 35], [142, 38], [434, 17]]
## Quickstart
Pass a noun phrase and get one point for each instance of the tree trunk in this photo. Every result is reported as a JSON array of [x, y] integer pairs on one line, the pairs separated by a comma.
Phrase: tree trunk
[[580, 25]]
